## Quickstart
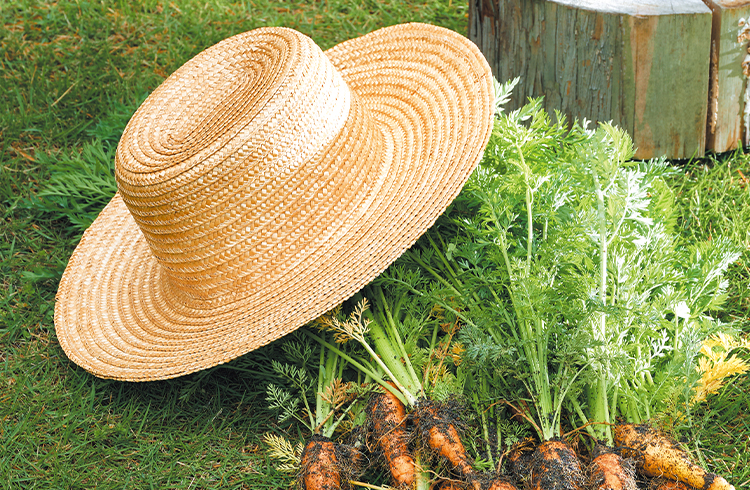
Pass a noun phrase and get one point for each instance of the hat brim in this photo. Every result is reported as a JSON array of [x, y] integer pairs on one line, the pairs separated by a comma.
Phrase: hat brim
[[430, 92]]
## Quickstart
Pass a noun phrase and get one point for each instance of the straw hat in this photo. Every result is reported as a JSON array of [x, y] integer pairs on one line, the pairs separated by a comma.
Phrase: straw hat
[[263, 183]]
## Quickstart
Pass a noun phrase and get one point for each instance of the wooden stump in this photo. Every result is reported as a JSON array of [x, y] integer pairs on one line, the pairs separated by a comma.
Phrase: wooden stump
[[728, 107], [641, 64]]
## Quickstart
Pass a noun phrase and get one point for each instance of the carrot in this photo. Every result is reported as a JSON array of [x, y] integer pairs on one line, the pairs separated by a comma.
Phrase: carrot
[[555, 466], [501, 484], [451, 485], [658, 455], [667, 484], [436, 425], [320, 468], [610, 472], [519, 460], [496, 484], [388, 416]]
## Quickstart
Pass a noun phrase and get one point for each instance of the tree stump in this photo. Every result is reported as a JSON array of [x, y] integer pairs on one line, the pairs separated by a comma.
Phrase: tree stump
[[728, 105], [642, 64]]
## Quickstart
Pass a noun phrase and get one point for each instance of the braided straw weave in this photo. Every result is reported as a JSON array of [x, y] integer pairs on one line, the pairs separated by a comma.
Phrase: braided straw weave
[[263, 183]]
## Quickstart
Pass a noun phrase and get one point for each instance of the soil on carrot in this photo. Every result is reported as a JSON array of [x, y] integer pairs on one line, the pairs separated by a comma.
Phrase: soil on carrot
[[667, 484], [389, 438], [440, 425], [658, 455], [519, 460], [610, 471], [555, 466], [319, 465], [326, 465], [489, 483], [451, 485]]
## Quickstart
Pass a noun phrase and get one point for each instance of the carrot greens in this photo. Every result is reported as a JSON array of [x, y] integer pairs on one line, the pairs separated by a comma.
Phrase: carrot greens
[[652, 292], [561, 259], [310, 389], [508, 250], [380, 330], [319, 402]]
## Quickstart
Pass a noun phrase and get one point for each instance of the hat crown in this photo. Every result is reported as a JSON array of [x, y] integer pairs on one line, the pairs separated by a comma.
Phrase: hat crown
[[223, 158]]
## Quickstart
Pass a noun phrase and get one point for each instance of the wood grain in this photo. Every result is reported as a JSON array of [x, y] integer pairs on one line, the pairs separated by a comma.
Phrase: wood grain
[[730, 36], [641, 64]]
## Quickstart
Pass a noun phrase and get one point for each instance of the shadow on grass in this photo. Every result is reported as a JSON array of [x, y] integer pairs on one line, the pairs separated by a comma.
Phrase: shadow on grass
[[64, 428]]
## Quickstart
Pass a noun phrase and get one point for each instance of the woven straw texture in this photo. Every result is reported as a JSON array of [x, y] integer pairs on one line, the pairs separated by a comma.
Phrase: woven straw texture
[[263, 183]]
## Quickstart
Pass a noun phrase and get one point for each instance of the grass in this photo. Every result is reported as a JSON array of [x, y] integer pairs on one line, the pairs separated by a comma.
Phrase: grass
[[714, 199], [721, 432], [71, 75], [62, 428]]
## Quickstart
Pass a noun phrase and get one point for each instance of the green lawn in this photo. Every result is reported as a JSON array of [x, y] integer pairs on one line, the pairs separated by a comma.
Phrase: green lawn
[[72, 73]]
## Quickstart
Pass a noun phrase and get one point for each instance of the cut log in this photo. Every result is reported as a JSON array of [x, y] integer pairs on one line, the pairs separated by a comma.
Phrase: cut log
[[728, 108], [642, 64]]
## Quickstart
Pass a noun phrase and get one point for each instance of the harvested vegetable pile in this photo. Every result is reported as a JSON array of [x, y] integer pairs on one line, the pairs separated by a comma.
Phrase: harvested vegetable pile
[[529, 336]]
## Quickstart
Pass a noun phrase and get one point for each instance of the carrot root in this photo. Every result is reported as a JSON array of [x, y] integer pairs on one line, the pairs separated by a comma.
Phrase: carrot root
[[667, 484], [320, 467], [556, 466], [437, 426], [519, 460], [388, 416], [497, 483], [660, 456], [501, 484], [608, 471], [451, 485]]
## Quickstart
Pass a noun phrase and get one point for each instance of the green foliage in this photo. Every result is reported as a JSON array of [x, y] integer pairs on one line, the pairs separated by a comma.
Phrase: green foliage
[[510, 247], [311, 388], [79, 187], [575, 289], [712, 200], [282, 400]]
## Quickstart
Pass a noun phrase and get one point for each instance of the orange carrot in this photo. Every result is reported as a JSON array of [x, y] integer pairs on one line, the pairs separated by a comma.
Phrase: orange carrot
[[667, 484], [555, 465], [498, 483], [519, 460], [451, 485], [610, 472], [437, 427], [658, 455], [501, 484], [388, 416], [320, 468]]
